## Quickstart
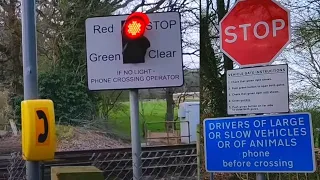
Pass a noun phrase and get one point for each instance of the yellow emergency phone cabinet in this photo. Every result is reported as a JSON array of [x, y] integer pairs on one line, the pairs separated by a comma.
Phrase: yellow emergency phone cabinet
[[38, 130]]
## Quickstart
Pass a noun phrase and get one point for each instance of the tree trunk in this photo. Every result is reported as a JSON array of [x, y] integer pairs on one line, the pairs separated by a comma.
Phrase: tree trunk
[[15, 49], [227, 63], [213, 78], [170, 108]]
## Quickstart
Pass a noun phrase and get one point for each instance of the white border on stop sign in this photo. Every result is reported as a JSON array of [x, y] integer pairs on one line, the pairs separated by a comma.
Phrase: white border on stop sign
[[275, 56]]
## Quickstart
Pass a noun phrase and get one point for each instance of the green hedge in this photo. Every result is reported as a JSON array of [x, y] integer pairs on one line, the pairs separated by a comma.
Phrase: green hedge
[[70, 95]]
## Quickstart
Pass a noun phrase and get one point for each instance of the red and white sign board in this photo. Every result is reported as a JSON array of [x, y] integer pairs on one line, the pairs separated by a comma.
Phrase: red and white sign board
[[254, 32]]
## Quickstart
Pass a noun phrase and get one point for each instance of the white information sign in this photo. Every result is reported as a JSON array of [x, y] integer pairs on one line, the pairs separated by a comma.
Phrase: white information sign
[[163, 65], [258, 90]]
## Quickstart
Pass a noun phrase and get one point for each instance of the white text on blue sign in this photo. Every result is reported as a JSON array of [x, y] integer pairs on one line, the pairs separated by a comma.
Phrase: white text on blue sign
[[274, 143]]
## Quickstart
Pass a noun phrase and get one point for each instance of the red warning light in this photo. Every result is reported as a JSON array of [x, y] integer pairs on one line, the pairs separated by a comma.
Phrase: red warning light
[[135, 25]]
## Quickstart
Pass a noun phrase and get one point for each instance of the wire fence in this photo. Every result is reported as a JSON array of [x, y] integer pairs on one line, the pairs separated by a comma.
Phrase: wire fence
[[166, 163], [155, 165], [174, 164], [16, 169]]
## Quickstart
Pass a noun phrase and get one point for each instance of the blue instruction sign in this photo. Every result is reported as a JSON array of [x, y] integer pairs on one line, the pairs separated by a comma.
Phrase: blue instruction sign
[[267, 143]]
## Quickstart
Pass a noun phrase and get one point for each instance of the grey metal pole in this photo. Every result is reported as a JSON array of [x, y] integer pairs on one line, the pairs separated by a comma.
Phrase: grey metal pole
[[260, 176], [30, 77], [211, 176], [135, 134]]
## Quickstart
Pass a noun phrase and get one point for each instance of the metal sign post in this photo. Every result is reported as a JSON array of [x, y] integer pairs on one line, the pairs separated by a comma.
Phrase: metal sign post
[[118, 60], [30, 79], [257, 98], [261, 95], [135, 134], [211, 176], [260, 176]]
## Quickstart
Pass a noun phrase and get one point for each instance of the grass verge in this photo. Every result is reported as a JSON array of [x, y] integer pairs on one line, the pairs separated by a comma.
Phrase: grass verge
[[150, 111]]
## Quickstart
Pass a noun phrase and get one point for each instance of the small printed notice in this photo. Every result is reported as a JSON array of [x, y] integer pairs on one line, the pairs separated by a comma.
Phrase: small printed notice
[[274, 143], [258, 90], [136, 76]]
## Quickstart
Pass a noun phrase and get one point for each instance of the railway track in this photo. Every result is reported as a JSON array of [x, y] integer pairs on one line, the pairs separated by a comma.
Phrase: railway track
[[157, 162]]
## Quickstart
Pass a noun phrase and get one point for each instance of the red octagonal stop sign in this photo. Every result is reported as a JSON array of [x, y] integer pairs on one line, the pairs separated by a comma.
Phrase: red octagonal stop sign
[[254, 32]]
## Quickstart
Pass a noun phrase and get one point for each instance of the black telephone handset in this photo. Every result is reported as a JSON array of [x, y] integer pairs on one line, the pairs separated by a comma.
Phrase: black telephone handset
[[43, 136]]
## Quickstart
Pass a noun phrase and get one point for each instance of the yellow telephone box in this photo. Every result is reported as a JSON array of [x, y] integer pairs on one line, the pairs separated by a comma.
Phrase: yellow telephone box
[[38, 130]]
